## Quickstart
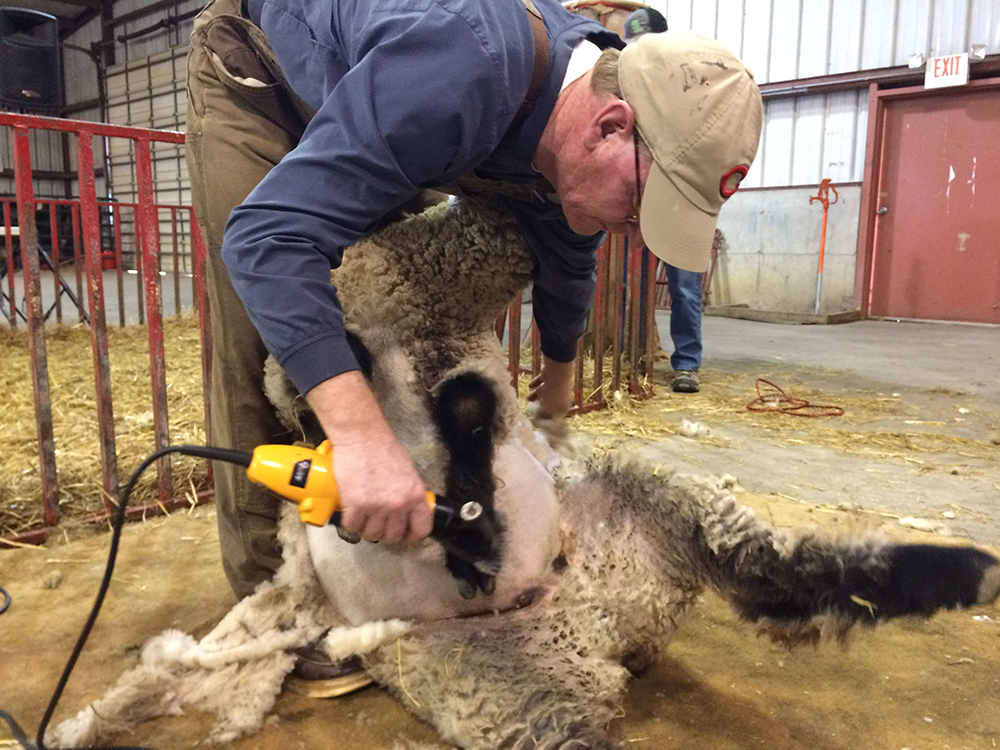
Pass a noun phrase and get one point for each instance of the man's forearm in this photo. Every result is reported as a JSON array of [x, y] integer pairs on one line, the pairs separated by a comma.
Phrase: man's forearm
[[382, 496]]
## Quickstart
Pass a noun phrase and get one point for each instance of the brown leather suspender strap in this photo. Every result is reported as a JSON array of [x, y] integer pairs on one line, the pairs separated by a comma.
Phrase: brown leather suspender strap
[[541, 64]]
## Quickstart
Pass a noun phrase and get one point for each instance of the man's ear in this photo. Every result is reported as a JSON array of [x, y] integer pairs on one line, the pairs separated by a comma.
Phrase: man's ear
[[612, 118]]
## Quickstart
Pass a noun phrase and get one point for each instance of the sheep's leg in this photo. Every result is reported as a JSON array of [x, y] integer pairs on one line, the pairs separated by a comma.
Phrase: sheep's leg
[[798, 586], [465, 413], [510, 682], [804, 587]]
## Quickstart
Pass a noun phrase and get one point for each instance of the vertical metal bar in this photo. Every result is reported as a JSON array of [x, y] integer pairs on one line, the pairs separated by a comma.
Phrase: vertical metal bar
[[139, 265], [98, 324], [175, 254], [36, 324], [536, 349], [116, 217], [600, 292], [199, 256], [616, 263], [634, 307], [578, 378], [9, 256], [79, 272], [651, 334], [150, 231], [54, 256], [514, 341]]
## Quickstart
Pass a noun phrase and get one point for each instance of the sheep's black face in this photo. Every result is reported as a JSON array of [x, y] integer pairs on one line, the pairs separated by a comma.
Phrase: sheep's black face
[[465, 413]]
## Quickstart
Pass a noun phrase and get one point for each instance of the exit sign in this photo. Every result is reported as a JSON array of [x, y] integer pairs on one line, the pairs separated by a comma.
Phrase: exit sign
[[950, 70]]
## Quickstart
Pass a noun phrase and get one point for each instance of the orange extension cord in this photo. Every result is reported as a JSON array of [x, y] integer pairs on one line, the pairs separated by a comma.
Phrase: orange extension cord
[[774, 398]]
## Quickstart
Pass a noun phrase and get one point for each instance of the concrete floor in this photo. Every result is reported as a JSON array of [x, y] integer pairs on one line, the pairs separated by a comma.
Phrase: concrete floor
[[938, 382], [960, 357]]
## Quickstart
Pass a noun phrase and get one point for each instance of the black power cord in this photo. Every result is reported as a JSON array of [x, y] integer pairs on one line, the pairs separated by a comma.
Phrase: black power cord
[[117, 523]]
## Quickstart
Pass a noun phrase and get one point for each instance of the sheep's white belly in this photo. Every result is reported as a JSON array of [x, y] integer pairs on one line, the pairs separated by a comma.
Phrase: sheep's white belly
[[368, 582]]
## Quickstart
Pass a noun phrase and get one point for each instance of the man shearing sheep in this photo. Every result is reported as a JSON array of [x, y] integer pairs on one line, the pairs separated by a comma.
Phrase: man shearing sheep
[[313, 122]]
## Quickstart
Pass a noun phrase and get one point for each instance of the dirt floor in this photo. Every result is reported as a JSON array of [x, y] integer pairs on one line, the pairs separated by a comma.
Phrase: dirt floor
[[907, 460]]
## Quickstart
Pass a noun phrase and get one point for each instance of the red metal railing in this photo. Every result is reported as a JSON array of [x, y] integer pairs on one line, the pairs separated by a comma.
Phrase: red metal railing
[[85, 213], [621, 336]]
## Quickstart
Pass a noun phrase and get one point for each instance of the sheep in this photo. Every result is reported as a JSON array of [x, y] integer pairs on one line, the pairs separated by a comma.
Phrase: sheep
[[420, 298], [598, 559]]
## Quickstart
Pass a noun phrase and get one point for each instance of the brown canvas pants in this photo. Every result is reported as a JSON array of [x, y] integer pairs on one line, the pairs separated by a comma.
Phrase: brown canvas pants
[[242, 118], [237, 129]]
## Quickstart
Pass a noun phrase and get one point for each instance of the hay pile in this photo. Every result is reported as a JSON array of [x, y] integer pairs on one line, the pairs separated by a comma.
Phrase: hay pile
[[74, 416]]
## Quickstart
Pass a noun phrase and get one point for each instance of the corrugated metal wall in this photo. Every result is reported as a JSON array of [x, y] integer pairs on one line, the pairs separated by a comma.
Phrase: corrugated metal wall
[[144, 88], [806, 138], [149, 92], [812, 137]]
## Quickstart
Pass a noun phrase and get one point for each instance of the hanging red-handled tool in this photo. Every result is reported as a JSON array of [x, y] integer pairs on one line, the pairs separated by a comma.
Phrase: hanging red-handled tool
[[824, 197]]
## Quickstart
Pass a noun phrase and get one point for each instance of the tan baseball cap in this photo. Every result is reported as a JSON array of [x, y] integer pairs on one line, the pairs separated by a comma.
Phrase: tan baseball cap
[[699, 110]]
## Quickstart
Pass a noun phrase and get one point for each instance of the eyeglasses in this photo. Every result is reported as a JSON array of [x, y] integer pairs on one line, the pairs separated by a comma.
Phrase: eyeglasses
[[634, 218]]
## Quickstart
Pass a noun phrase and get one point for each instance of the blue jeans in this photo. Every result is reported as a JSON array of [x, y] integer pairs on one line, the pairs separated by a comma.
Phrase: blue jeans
[[685, 317]]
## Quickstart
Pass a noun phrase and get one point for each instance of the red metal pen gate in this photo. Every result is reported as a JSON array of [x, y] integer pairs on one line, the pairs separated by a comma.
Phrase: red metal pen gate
[[85, 210], [621, 329]]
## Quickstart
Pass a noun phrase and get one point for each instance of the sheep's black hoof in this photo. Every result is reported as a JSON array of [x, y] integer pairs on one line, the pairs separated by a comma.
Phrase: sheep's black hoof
[[924, 578]]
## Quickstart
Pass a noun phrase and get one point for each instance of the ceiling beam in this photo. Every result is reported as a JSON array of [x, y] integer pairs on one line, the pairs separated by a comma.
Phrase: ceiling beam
[[135, 15]]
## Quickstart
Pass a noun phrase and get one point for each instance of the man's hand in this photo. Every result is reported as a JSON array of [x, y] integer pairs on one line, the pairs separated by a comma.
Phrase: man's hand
[[552, 388], [382, 496]]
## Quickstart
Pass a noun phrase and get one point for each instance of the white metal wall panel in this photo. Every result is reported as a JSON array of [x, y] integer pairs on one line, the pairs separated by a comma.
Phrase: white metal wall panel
[[774, 156], [950, 27], [814, 39], [156, 41], [784, 54], [682, 16], [809, 138], [807, 142], [756, 34], [839, 138], [730, 23], [784, 40], [984, 25], [704, 18], [838, 36], [912, 31], [845, 36], [878, 47]]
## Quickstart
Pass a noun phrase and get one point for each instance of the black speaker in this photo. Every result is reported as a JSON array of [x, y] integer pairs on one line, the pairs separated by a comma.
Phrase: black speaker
[[29, 60]]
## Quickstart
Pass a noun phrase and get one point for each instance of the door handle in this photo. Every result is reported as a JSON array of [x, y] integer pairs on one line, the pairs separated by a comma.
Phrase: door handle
[[882, 211]]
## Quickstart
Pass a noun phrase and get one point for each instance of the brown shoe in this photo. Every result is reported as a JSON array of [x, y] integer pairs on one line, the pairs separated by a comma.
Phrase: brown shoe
[[317, 676]]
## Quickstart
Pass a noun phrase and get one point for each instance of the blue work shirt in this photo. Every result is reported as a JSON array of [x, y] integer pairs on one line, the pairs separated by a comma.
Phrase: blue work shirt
[[409, 94]]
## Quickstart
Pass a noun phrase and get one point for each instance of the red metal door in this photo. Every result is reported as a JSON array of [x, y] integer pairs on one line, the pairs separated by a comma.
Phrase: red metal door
[[937, 240]]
